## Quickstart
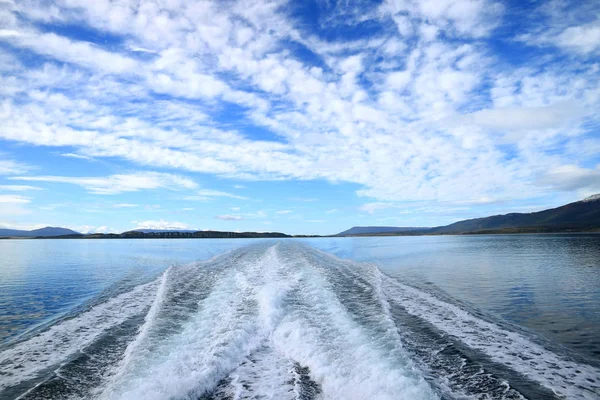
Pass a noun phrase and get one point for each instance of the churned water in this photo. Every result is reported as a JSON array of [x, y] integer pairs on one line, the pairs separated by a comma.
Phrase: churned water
[[332, 318]]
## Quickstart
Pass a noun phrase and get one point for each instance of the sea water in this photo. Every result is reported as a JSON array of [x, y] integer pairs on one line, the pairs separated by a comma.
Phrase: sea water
[[329, 318]]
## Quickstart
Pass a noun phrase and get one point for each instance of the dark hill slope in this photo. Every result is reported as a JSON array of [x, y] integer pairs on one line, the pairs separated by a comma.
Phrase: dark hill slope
[[581, 215], [362, 230], [198, 234]]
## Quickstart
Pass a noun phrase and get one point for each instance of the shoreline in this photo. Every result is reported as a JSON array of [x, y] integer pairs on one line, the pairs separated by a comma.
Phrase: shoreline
[[253, 235]]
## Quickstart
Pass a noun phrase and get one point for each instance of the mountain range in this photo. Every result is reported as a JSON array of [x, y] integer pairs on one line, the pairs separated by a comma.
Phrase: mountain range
[[48, 231], [580, 216], [365, 230], [64, 233]]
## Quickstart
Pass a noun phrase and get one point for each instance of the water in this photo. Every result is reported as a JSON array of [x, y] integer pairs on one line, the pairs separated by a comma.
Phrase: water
[[334, 318]]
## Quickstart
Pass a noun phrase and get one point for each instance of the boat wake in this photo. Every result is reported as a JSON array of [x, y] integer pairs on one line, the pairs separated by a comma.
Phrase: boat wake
[[284, 321]]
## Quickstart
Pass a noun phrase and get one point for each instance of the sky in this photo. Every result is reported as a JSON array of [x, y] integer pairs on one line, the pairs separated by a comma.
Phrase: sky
[[303, 117]]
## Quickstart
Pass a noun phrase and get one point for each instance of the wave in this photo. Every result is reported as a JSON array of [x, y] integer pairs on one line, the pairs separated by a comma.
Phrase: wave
[[284, 321], [27, 359]]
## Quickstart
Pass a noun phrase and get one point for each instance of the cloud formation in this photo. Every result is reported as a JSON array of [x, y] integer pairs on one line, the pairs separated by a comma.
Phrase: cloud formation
[[17, 188], [572, 177], [14, 199], [218, 193], [10, 167], [13, 205], [160, 225], [421, 107], [119, 183], [229, 217]]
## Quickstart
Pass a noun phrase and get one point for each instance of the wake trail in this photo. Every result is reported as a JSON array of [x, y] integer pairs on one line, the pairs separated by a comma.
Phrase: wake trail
[[281, 320], [563, 376], [26, 360]]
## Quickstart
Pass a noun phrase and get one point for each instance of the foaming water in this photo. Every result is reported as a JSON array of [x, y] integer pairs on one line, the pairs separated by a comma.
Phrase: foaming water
[[25, 360], [560, 374], [282, 320], [267, 314]]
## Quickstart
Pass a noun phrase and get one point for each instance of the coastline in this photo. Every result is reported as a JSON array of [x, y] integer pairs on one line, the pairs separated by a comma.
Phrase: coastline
[[276, 235]]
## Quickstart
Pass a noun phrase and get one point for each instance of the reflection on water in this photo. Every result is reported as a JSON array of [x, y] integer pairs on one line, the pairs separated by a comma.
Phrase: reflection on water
[[547, 283]]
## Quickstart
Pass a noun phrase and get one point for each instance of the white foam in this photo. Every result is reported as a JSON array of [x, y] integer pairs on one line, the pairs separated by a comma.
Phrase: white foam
[[265, 374], [213, 342], [148, 322], [245, 324], [265, 313], [564, 377], [341, 355], [25, 360]]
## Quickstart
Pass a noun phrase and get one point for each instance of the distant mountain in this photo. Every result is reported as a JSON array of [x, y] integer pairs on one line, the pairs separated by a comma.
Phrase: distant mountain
[[579, 216], [48, 231], [582, 215], [161, 230], [365, 230], [63, 233], [136, 234], [594, 197]]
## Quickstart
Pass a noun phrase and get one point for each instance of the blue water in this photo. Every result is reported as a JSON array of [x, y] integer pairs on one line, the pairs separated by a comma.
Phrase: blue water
[[514, 316], [44, 279], [547, 283]]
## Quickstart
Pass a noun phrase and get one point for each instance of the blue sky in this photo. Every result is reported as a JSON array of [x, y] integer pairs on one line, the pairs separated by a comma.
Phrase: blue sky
[[300, 117]]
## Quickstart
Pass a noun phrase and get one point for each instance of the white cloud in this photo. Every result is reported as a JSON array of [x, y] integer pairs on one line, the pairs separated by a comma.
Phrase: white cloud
[[13, 205], [571, 26], [372, 207], [9, 167], [125, 205], [405, 116], [161, 225], [257, 214], [73, 155], [583, 39], [229, 217], [572, 177], [398, 80], [578, 39], [23, 227], [332, 211], [457, 17], [195, 198], [7, 33], [283, 212], [141, 49], [81, 53], [119, 183], [547, 117], [14, 199], [18, 188], [218, 193], [87, 229]]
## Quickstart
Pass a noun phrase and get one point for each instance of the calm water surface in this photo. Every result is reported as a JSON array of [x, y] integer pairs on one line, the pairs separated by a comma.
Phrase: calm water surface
[[514, 316]]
